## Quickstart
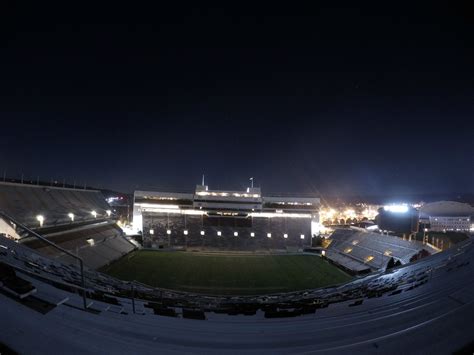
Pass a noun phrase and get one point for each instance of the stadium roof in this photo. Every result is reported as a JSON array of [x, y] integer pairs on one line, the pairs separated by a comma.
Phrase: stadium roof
[[446, 209]]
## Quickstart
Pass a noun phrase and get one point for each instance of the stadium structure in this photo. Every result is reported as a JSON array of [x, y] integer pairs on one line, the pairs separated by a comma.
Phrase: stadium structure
[[359, 251], [78, 221], [53, 299], [442, 216], [223, 219]]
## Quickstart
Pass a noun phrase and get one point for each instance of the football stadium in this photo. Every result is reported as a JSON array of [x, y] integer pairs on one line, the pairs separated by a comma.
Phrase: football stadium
[[215, 271]]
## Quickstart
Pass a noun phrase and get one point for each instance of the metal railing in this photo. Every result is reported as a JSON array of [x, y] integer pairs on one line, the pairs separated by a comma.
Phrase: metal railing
[[32, 232]]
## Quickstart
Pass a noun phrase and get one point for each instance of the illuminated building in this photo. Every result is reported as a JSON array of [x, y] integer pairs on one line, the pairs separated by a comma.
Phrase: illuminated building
[[242, 219], [445, 216]]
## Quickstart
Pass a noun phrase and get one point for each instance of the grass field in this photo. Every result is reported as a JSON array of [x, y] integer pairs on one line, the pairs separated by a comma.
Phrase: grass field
[[226, 274]]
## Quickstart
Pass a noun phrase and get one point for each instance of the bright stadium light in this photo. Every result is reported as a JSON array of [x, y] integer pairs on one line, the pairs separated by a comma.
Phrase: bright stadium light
[[109, 212], [40, 219], [302, 236], [269, 235], [202, 232], [185, 232], [152, 231], [252, 234], [219, 233], [168, 231], [236, 234], [94, 213], [396, 208], [285, 235], [323, 252], [71, 216]]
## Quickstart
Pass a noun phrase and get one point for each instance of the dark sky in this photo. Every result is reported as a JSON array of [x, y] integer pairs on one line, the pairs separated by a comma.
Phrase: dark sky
[[330, 100]]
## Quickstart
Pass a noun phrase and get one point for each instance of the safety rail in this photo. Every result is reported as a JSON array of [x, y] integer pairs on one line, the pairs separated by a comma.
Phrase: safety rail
[[32, 232]]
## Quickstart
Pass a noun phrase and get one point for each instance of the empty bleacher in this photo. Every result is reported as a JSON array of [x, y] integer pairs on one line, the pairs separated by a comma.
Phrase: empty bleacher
[[97, 244], [77, 220], [359, 251], [26, 202], [235, 234]]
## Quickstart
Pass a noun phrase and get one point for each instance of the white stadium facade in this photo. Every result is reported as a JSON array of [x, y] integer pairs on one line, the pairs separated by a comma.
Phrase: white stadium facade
[[225, 219], [445, 216]]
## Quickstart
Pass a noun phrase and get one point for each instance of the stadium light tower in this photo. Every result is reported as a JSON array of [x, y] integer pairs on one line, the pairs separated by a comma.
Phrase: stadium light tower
[[71, 216], [40, 219]]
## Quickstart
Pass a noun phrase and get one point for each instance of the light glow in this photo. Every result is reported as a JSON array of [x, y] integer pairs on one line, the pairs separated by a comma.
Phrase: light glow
[[40, 219], [396, 208], [71, 216], [94, 214]]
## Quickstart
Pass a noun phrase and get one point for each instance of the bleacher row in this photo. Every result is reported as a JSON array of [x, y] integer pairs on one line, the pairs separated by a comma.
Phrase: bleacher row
[[65, 279], [25, 202], [155, 231], [97, 244], [359, 251]]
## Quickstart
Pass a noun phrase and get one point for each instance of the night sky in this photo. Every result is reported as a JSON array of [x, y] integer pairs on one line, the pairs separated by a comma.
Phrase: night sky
[[328, 100]]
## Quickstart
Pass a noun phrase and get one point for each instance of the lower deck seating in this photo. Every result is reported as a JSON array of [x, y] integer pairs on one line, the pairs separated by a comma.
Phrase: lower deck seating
[[97, 245], [356, 249]]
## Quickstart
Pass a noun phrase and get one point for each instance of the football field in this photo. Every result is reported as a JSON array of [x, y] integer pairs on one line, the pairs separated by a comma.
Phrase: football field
[[226, 274]]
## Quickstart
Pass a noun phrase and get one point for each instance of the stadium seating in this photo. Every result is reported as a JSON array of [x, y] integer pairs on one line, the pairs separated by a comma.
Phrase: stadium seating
[[98, 245], [170, 231], [26, 202], [359, 251], [95, 238], [37, 266], [129, 309]]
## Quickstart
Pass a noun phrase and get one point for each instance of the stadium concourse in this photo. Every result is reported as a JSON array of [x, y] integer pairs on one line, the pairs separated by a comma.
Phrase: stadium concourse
[[425, 305], [78, 220]]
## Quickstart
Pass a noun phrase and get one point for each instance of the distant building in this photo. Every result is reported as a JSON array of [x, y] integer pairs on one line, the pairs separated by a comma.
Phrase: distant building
[[445, 216], [225, 219]]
